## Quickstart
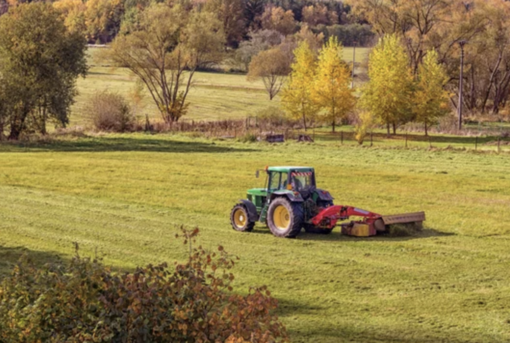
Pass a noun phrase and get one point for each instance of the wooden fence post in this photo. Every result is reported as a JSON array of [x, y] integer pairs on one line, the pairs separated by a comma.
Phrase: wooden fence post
[[371, 140]]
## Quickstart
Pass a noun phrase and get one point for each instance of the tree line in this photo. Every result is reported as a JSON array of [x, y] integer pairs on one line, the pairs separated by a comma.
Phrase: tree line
[[319, 88], [413, 70], [480, 27], [102, 20]]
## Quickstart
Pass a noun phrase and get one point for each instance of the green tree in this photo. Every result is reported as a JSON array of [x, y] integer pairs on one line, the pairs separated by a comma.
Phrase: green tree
[[165, 50], [388, 94], [230, 13], [430, 98], [272, 66], [331, 89], [253, 10], [40, 62], [297, 94]]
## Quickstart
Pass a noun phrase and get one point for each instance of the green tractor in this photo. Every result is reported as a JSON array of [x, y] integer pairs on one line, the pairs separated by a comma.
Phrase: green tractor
[[291, 201]]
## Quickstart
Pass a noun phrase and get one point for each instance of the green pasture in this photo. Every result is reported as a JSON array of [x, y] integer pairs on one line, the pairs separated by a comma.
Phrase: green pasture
[[124, 195], [214, 96]]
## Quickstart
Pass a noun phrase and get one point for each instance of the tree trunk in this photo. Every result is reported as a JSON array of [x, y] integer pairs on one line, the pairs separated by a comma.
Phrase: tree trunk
[[43, 123], [426, 130], [17, 124], [491, 81], [1, 129], [304, 120], [394, 128], [15, 132], [472, 91], [333, 126], [388, 129]]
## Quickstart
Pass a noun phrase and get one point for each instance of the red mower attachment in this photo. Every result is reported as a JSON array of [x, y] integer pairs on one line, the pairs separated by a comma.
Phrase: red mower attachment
[[371, 224]]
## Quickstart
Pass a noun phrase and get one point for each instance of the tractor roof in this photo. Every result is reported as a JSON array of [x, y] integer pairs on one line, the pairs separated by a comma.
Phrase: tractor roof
[[286, 169]]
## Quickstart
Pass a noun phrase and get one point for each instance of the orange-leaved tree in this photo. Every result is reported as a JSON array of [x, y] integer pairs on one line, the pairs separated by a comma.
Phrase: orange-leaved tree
[[272, 66], [331, 91]]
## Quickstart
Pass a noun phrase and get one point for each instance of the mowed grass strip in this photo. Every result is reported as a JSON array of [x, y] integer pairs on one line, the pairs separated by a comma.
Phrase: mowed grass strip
[[123, 195]]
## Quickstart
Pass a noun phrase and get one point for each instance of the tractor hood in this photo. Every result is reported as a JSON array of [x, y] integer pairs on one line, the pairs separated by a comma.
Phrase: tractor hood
[[258, 191]]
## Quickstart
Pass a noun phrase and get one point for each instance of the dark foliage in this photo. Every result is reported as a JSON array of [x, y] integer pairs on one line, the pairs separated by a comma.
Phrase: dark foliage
[[84, 301]]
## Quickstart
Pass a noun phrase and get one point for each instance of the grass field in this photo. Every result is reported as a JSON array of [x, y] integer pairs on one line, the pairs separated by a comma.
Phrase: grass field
[[214, 96], [123, 195]]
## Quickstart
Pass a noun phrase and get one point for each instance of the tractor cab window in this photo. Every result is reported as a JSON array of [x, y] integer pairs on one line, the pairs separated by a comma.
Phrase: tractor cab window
[[301, 180], [278, 181]]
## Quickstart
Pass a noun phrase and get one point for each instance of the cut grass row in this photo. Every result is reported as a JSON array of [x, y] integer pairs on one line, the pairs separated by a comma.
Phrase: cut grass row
[[123, 195]]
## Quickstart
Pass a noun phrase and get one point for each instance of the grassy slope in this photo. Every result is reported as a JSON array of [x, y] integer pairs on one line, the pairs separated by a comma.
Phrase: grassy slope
[[215, 96], [123, 195]]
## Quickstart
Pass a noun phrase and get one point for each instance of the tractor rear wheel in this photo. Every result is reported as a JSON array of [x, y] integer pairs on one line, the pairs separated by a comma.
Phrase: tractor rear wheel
[[240, 220], [284, 218]]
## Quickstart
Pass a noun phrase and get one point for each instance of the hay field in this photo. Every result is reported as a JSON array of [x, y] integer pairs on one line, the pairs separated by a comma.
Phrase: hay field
[[123, 195], [214, 96]]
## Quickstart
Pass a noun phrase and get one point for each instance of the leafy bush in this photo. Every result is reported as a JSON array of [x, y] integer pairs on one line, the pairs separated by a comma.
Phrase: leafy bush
[[274, 116], [365, 124], [84, 301], [111, 112], [248, 138]]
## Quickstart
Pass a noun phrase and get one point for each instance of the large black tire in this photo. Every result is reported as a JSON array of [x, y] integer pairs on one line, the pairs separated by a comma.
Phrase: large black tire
[[240, 220], [284, 218], [310, 228]]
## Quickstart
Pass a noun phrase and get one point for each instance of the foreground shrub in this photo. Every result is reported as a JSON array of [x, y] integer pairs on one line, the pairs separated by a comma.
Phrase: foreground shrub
[[84, 301], [110, 112]]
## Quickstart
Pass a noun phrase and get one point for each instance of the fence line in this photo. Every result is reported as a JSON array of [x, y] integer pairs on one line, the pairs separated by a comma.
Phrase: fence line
[[252, 128]]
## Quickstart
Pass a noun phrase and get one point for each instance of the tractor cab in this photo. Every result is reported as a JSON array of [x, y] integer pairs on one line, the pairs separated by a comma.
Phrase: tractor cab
[[294, 179], [291, 181]]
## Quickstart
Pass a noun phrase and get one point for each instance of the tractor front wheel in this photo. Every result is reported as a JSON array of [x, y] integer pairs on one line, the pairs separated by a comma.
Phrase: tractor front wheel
[[284, 218], [240, 220]]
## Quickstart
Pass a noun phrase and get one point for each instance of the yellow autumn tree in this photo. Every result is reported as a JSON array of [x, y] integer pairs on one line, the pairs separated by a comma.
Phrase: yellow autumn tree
[[430, 98], [331, 91], [103, 18], [73, 12], [388, 94], [297, 94]]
